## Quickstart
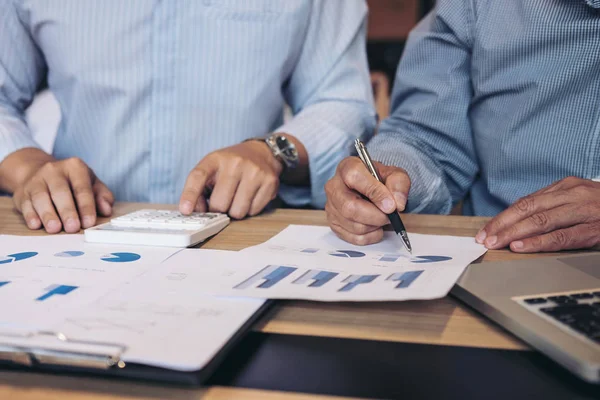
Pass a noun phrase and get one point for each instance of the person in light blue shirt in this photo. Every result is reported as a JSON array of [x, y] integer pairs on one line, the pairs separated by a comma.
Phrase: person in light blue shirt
[[158, 99], [496, 103]]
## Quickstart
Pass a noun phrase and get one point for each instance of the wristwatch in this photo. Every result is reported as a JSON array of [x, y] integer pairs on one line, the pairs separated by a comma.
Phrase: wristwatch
[[283, 150]]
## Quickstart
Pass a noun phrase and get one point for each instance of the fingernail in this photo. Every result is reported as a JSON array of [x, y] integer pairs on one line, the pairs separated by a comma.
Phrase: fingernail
[[388, 205], [400, 200], [71, 224], [518, 245], [491, 241], [187, 207], [480, 238], [33, 223], [88, 221], [53, 224]]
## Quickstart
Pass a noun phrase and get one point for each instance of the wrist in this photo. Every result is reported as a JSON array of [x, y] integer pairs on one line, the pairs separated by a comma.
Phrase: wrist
[[290, 154], [263, 148]]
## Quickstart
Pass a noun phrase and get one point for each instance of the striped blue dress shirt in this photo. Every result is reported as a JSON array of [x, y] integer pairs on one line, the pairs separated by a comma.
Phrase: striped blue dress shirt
[[147, 88], [495, 99]]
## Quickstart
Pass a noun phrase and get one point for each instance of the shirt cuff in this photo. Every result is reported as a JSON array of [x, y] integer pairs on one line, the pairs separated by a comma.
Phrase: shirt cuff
[[428, 192], [327, 131], [14, 135]]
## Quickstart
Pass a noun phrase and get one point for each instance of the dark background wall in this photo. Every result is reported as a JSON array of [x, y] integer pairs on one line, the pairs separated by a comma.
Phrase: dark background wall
[[390, 21]]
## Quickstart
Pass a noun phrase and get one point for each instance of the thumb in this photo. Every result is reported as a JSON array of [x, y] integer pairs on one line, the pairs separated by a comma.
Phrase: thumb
[[397, 182], [356, 177], [104, 198]]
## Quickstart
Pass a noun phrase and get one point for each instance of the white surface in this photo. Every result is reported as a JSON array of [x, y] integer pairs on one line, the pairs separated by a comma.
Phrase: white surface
[[225, 273], [158, 228], [111, 303]]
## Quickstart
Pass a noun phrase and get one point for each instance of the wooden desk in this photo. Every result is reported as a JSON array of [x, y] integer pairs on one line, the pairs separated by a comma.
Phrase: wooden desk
[[443, 321]]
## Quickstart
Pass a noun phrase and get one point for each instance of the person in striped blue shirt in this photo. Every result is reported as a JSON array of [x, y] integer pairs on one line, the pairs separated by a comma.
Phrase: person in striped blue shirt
[[158, 99], [496, 104]]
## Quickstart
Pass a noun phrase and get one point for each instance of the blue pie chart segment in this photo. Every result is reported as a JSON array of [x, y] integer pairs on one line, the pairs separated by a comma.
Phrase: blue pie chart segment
[[430, 259], [347, 253], [70, 253], [17, 257], [121, 257]]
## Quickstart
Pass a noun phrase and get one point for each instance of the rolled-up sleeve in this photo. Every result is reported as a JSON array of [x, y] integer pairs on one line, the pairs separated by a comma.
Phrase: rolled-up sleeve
[[428, 132], [330, 94], [22, 68]]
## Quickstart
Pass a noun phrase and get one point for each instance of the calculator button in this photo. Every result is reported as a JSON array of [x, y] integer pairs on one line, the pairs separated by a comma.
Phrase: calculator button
[[166, 219]]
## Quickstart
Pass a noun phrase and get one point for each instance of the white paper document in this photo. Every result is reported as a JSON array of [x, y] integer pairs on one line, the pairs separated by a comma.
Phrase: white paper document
[[95, 295], [311, 263]]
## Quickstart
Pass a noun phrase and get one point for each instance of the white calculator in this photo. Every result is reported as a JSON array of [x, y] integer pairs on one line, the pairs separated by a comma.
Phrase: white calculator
[[158, 228]]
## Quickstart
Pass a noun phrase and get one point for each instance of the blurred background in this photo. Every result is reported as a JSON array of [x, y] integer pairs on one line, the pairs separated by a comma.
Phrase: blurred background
[[390, 21]]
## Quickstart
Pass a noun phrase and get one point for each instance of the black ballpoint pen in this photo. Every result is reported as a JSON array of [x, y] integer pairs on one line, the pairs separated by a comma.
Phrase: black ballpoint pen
[[394, 217]]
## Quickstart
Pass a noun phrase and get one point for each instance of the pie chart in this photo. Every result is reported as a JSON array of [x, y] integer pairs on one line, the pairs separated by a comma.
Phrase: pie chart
[[17, 257], [346, 253], [70, 253], [121, 257], [430, 259]]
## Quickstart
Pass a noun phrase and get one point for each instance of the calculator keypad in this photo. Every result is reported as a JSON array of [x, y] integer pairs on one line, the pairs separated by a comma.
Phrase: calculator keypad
[[166, 219]]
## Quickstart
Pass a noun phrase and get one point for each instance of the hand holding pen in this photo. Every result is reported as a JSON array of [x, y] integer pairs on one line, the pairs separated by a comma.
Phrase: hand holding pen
[[359, 205]]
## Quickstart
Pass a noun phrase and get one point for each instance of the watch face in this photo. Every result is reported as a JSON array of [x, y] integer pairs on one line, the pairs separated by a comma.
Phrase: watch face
[[281, 142], [287, 150]]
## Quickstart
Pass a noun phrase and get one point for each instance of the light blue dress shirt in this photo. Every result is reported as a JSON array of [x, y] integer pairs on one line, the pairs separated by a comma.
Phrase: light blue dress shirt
[[495, 99], [147, 88]]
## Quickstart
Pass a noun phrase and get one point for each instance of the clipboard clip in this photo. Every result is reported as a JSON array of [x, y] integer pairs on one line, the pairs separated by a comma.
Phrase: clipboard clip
[[37, 356]]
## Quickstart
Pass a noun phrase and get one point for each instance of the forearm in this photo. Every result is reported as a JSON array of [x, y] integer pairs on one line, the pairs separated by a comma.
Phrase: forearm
[[18, 166]]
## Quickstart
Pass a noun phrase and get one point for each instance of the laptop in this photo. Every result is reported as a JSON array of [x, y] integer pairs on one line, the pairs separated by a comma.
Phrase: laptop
[[551, 303]]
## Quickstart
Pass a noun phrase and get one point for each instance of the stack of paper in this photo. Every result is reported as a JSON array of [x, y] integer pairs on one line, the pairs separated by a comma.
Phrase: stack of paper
[[60, 293], [154, 305]]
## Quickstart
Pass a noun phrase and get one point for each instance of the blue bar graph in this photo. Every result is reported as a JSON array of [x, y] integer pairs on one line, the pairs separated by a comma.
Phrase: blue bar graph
[[354, 280], [4, 283], [271, 275], [390, 257], [319, 278], [404, 279], [60, 290]]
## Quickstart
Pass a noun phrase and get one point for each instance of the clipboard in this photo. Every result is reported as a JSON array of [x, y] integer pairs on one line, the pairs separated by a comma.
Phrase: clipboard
[[108, 364]]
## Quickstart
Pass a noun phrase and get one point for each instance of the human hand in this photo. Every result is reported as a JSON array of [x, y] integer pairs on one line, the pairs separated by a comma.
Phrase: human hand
[[244, 178], [562, 216], [63, 194], [352, 217]]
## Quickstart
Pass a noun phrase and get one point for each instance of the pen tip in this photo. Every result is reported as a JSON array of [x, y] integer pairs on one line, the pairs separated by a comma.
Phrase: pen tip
[[405, 241]]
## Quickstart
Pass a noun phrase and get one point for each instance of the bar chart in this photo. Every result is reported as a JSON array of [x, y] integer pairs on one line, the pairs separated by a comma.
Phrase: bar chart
[[268, 276], [354, 281], [404, 279], [317, 278], [56, 290]]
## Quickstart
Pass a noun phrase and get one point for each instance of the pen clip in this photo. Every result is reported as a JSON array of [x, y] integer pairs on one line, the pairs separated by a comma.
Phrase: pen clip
[[364, 156]]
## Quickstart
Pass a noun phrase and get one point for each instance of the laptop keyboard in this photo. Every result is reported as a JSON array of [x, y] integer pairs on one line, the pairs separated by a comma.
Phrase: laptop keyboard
[[579, 312]]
